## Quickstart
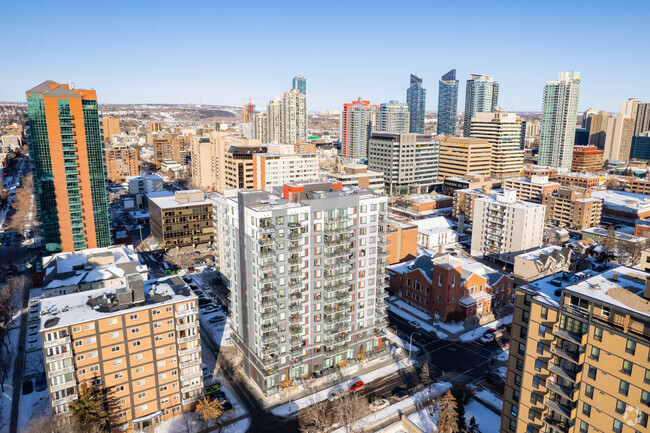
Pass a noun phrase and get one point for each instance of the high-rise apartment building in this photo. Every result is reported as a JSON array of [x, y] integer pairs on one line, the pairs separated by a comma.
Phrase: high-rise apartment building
[[482, 96], [504, 227], [573, 207], [409, 161], [154, 127], [293, 117], [356, 125], [181, 220], [587, 158], [459, 156], [640, 112], [393, 117], [596, 125], [416, 96], [447, 103], [274, 121], [579, 353], [559, 116], [68, 163], [299, 83], [121, 162], [248, 113], [140, 342], [110, 127], [274, 169], [170, 147], [618, 141], [261, 127], [504, 133], [307, 278]]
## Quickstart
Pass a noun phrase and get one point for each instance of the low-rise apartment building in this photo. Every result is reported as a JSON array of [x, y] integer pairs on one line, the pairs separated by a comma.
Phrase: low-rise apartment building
[[435, 233], [182, 220], [139, 342], [623, 240], [540, 170], [532, 189], [573, 207], [640, 186]]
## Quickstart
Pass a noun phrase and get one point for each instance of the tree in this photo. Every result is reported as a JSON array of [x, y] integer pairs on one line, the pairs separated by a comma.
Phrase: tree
[[609, 243], [209, 409], [10, 300], [6, 360], [472, 427], [46, 424], [23, 204], [88, 410], [349, 409], [315, 418], [180, 259], [447, 414], [460, 417], [361, 356], [425, 376], [632, 252]]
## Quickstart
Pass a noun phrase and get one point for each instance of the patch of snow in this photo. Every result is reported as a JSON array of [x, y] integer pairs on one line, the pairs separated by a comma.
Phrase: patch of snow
[[487, 420], [503, 356], [478, 332], [452, 327], [502, 371], [423, 325], [32, 406], [401, 343], [489, 398]]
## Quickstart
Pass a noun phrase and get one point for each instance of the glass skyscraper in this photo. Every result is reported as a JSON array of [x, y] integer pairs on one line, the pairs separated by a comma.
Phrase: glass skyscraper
[[69, 168], [300, 84], [482, 97], [416, 96], [447, 103]]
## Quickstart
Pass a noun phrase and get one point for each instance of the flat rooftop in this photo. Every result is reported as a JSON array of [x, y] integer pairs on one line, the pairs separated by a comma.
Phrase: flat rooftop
[[628, 200], [171, 201], [619, 235]]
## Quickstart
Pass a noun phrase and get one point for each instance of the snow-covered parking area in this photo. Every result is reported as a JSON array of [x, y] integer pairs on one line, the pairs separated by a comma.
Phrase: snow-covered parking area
[[478, 332]]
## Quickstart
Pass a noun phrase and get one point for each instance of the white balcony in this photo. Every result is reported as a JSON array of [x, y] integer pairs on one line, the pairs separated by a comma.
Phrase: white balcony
[[64, 400], [189, 338], [59, 356], [191, 388], [187, 312], [183, 352], [189, 325], [190, 363], [63, 370], [64, 385], [57, 342]]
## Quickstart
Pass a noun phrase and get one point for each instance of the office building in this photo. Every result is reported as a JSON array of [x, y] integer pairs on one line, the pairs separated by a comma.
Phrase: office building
[[596, 125], [449, 288], [307, 278], [618, 141], [532, 189], [459, 156], [581, 137], [121, 162], [299, 83], [409, 161], [356, 125], [559, 116], [416, 96], [181, 220], [274, 169], [393, 117], [579, 354], [248, 113], [504, 133], [68, 164], [640, 148], [145, 184], [447, 103], [573, 207], [587, 159], [358, 176], [504, 227], [482, 96], [110, 127], [140, 341]]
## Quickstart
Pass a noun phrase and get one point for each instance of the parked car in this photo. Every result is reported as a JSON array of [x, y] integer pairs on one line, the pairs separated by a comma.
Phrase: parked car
[[206, 373], [217, 319], [209, 309], [335, 394], [41, 382], [400, 393], [379, 404], [415, 324], [226, 405], [28, 387], [490, 331], [493, 378], [212, 389], [488, 338], [356, 386]]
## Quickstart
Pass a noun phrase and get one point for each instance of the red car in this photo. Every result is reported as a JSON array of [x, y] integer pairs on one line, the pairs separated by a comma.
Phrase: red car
[[356, 386], [490, 331]]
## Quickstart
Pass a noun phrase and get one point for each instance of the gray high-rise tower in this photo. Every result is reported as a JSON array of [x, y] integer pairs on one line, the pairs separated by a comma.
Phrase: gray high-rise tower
[[416, 96], [482, 97], [447, 103]]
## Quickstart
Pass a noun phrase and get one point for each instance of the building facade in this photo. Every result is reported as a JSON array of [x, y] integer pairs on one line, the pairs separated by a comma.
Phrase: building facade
[[460, 156], [559, 116], [586, 159], [416, 97], [640, 148], [276, 169], [358, 176], [393, 117], [533, 189], [145, 184], [504, 133], [409, 162], [121, 162], [541, 263], [182, 220], [140, 342], [447, 104], [69, 167], [356, 125], [573, 207], [482, 96], [307, 278], [299, 83], [618, 141], [110, 127]]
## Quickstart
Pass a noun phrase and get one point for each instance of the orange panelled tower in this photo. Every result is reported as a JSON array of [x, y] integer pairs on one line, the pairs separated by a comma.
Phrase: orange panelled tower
[[67, 155]]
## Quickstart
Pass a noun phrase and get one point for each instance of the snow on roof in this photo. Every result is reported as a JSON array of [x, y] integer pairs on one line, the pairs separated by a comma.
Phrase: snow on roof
[[168, 202], [549, 289], [619, 235], [621, 199], [535, 254], [431, 223], [471, 299]]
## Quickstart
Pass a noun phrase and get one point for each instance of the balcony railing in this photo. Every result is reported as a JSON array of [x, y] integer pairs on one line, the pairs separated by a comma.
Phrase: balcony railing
[[560, 390], [57, 342], [63, 400], [189, 351], [567, 374], [189, 338], [58, 387], [569, 336], [571, 356], [190, 388], [181, 327], [190, 363], [560, 408]]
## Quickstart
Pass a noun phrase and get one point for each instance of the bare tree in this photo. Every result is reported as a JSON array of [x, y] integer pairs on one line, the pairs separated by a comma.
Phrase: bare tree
[[23, 204], [45, 424], [349, 409], [316, 418], [632, 252], [425, 376], [11, 298], [6, 360], [180, 259], [609, 243]]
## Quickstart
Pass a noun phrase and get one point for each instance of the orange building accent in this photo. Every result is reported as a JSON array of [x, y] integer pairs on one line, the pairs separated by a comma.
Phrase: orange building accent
[[587, 158], [402, 239]]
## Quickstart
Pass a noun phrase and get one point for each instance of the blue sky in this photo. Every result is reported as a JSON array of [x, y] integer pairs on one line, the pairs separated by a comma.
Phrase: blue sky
[[216, 52]]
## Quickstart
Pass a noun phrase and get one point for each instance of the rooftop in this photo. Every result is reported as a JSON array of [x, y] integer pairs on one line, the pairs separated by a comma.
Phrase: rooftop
[[545, 251], [627, 200], [619, 235], [194, 197], [581, 175]]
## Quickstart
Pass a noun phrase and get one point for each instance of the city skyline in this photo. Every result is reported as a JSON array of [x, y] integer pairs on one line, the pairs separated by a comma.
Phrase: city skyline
[[127, 71]]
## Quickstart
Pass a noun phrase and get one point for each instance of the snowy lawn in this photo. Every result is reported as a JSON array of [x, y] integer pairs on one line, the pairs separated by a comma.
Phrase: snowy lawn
[[367, 423], [452, 327], [423, 325], [478, 332], [32, 406], [191, 422], [291, 409], [490, 399], [414, 311], [487, 420]]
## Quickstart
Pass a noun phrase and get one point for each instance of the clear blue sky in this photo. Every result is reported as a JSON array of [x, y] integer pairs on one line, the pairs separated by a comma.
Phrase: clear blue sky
[[217, 52]]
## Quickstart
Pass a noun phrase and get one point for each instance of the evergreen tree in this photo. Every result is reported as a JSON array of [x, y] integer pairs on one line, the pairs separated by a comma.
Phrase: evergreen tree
[[460, 418], [88, 410], [473, 426], [447, 422]]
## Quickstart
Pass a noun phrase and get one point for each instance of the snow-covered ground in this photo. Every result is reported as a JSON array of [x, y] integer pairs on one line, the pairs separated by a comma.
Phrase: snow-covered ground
[[191, 422], [503, 356], [487, 420], [367, 423], [423, 325], [7, 396], [503, 372], [490, 398], [34, 405], [289, 409], [401, 343], [478, 332]]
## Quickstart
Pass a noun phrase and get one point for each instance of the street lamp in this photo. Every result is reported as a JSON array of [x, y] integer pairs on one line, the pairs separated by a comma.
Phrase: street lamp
[[411, 341]]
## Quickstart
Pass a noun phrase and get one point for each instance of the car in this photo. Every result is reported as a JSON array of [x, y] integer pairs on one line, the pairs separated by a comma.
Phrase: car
[[506, 343], [356, 386], [28, 387], [206, 373], [493, 378], [217, 319], [379, 404], [486, 339], [415, 324], [335, 394], [400, 393], [209, 390], [490, 331], [41, 382], [209, 309], [219, 395], [191, 269], [203, 285], [226, 405]]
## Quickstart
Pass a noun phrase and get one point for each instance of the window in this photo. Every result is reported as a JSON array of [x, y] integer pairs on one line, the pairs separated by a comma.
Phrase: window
[[544, 313], [94, 368], [522, 348], [116, 349], [142, 395], [118, 375], [136, 343], [627, 367], [598, 334], [586, 409], [512, 425], [542, 331], [605, 311], [538, 365], [135, 330], [140, 382], [92, 354], [618, 426], [591, 373], [513, 410], [589, 391], [645, 397], [155, 312], [81, 357], [133, 317], [78, 343], [143, 407], [517, 380], [630, 347], [117, 362], [163, 388], [642, 418], [540, 348], [112, 321], [89, 326], [119, 388], [515, 395], [533, 398], [646, 379], [520, 364], [157, 325], [623, 387], [595, 353], [76, 329], [139, 370], [584, 427], [113, 335], [531, 416], [91, 340], [525, 316], [527, 300], [535, 382]]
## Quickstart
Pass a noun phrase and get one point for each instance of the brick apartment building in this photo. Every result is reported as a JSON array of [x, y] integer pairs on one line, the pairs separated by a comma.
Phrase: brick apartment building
[[573, 207], [586, 159], [584, 180]]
